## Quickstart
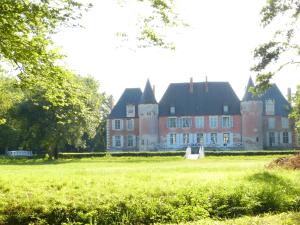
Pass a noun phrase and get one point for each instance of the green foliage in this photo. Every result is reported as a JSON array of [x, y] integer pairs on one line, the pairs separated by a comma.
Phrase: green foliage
[[271, 56], [141, 190], [66, 155]]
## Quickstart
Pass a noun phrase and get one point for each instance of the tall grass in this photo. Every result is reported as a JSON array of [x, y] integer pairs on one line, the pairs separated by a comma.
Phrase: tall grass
[[143, 190]]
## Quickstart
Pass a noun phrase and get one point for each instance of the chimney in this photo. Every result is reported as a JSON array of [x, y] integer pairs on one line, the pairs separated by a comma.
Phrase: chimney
[[153, 89], [206, 84], [191, 85], [289, 94]]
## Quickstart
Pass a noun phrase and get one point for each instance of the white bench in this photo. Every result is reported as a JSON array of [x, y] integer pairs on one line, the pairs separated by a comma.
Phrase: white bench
[[19, 153]]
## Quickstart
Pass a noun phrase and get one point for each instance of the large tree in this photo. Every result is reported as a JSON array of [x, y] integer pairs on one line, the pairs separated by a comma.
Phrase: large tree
[[283, 49]]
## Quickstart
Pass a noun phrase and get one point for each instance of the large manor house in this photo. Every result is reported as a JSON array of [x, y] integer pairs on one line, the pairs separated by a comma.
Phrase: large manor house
[[200, 113]]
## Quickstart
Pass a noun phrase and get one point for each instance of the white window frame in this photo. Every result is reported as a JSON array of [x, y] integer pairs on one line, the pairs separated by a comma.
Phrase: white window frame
[[119, 141], [225, 108], [117, 124], [132, 124], [200, 122], [186, 138], [213, 122], [284, 122], [172, 110], [285, 137], [173, 139], [200, 138], [270, 107], [130, 140], [173, 119], [271, 123], [213, 140], [186, 122], [226, 140], [130, 110], [228, 124]]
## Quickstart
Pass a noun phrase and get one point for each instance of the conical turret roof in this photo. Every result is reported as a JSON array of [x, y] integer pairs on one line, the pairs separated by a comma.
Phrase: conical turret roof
[[148, 95], [248, 96]]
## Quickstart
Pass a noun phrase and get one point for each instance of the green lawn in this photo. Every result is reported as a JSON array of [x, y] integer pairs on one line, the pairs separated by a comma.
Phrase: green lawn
[[140, 190]]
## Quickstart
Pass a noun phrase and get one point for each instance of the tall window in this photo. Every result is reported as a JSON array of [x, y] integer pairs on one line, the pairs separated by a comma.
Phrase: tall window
[[173, 139], [285, 137], [213, 121], [186, 122], [271, 138], [117, 141], [271, 123], [130, 124], [284, 122], [270, 107], [213, 138], [130, 110], [226, 139], [200, 139], [172, 122], [200, 122], [130, 141], [116, 124], [226, 122], [186, 139]]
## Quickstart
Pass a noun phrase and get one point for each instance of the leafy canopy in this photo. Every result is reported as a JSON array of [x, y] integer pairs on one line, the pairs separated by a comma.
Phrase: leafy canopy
[[283, 49]]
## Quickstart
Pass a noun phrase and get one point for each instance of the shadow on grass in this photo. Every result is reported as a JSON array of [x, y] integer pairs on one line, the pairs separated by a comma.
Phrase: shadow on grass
[[106, 160], [270, 179], [31, 162]]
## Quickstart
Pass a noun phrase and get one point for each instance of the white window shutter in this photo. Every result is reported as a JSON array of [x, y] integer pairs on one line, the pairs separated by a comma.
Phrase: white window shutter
[[231, 121], [231, 139], [290, 137], [281, 137], [168, 139], [121, 125], [113, 141], [219, 138], [122, 140], [134, 140]]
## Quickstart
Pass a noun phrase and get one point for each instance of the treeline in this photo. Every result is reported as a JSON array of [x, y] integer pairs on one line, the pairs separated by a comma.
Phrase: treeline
[[68, 114]]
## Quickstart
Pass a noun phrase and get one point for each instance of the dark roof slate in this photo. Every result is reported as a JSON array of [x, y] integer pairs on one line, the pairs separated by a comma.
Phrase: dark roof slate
[[148, 95], [129, 96], [248, 96], [282, 106], [200, 101]]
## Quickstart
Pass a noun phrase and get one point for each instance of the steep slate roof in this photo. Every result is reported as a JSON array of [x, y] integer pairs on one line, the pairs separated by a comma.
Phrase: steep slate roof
[[199, 102], [282, 106], [248, 96], [148, 95], [129, 96]]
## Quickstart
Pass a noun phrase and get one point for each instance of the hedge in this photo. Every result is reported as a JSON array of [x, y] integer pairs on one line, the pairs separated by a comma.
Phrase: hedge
[[174, 153]]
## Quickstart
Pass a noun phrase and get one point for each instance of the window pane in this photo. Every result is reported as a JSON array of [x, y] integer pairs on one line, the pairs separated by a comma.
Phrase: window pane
[[200, 122], [213, 138]]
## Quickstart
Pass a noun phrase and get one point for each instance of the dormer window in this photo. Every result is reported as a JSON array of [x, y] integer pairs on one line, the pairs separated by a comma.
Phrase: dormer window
[[270, 107], [172, 110], [225, 109], [130, 111]]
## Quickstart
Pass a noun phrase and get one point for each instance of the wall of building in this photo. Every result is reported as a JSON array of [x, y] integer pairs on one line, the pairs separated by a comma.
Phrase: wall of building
[[148, 126], [234, 133], [124, 132], [252, 125], [282, 136]]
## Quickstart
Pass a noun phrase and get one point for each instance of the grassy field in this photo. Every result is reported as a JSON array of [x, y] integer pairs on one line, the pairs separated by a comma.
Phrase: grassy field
[[137, 190]]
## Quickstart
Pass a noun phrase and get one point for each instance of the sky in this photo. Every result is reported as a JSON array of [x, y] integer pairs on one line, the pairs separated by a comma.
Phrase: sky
[[217, 44]]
